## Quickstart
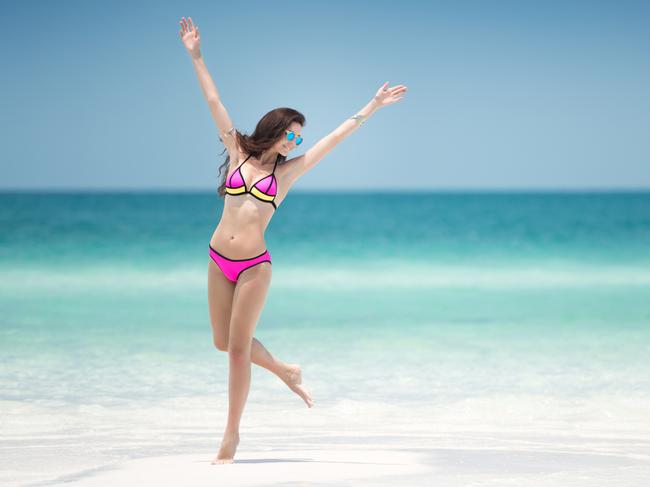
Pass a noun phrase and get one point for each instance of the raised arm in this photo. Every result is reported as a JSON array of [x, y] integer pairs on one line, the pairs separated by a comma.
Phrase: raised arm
[[192, 40], [385, 96]]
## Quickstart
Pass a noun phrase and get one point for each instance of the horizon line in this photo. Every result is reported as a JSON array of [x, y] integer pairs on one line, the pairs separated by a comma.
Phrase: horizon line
[[460, 189]]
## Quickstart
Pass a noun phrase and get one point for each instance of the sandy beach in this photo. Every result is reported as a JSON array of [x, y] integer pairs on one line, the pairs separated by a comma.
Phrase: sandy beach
[[295, 467], [376, 467]]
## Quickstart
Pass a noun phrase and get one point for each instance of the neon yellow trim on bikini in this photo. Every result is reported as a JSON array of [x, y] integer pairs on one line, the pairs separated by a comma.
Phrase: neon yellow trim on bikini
[[239, 190], [258, 194]]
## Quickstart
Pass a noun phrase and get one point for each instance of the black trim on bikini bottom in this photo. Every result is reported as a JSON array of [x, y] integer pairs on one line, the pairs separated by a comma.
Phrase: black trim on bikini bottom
[[220, 269], [262, 262], [236, 260]]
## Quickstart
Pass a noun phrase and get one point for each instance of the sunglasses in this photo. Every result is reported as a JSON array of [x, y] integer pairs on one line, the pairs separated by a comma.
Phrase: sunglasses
[[291, 134]]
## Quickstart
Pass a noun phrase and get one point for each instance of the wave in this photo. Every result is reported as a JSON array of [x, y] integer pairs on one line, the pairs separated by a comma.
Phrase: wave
[[380, 275]]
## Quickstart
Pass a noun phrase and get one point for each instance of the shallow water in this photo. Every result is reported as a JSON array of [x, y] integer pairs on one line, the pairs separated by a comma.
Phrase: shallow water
[[428, 320]]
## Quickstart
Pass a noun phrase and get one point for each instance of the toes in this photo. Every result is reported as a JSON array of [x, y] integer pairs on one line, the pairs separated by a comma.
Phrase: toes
[[306, 396], [221, 461]]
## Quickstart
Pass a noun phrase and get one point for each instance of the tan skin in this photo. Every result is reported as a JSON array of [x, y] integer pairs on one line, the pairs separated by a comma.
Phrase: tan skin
[[235, 308]]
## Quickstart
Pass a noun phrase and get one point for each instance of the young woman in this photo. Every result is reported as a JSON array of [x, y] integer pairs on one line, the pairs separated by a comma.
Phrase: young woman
[[256, 181]]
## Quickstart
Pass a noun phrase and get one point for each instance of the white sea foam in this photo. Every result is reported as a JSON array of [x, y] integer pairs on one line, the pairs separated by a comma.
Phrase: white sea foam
[[364, 276]]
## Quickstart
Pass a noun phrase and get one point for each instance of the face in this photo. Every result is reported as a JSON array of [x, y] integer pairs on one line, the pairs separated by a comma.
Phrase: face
[[283, 146]]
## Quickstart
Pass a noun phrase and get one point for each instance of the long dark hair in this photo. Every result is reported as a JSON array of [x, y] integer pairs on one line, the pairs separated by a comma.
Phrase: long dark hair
[[267, 132]]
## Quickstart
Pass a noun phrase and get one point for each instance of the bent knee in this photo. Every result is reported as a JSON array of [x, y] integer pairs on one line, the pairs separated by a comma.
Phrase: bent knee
[[220, 345]]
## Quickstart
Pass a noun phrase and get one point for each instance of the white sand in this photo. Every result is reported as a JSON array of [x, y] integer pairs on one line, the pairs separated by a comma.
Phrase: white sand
[[328, 467], [489, 441], [345, 466]]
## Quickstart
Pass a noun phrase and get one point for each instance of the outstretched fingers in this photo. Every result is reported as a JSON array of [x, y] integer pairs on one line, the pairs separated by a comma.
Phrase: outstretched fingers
[[188, 26], [398, 92]]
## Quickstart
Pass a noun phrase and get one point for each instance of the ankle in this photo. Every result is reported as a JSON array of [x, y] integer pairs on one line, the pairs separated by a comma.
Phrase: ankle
[[231, 434]]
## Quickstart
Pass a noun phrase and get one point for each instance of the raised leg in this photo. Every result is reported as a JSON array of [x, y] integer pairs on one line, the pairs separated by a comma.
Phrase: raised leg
[[220, 299]]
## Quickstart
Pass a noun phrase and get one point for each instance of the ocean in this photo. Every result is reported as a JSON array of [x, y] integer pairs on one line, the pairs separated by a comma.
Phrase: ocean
[[443, 319]]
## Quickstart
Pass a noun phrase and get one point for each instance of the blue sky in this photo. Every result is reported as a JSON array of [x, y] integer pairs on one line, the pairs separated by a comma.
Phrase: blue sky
[[502, 94]]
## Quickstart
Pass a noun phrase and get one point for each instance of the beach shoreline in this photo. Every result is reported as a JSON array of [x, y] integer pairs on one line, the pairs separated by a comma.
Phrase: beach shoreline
[[368, 466]]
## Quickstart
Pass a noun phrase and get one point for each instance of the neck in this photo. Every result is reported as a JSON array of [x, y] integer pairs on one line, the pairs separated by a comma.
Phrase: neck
[[268, 157]]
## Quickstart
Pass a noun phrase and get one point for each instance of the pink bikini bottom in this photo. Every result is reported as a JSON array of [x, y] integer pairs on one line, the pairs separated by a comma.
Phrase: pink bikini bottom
[[231, 268]]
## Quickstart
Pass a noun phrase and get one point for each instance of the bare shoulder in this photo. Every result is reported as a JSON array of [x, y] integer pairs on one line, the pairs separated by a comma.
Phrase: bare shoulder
[[233, 162], [286, 174], [290, 166], [235, 153], [232, 146]]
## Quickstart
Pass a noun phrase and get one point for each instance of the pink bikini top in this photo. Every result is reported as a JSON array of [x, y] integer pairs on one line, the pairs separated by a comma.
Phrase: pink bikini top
[[265, 189]]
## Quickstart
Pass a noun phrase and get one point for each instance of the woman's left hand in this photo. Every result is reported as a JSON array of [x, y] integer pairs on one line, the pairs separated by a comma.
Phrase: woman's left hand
[[387, 96]]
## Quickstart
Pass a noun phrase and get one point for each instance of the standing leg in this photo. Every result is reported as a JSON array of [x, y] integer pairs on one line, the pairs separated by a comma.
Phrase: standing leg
[[248, 300]]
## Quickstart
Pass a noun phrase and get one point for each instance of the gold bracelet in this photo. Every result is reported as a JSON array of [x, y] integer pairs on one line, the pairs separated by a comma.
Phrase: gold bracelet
[[361, 119], [228, 133]]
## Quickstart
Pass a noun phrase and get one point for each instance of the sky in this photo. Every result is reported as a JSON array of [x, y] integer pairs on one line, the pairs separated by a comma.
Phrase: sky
[[517, 95]]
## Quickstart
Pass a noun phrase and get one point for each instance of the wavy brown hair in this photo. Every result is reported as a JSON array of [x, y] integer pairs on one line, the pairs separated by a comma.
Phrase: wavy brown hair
[[267, 132]]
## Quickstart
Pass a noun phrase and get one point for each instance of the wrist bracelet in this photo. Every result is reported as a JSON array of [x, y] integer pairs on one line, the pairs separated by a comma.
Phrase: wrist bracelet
[[361, 119], [228, 133]]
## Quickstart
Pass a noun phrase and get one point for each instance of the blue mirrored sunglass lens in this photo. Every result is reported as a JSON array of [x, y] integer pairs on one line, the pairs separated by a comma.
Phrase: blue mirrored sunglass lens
[[290, 136], [298, 140]]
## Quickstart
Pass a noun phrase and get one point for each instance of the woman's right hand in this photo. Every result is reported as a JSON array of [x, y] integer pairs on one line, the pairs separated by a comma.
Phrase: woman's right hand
[[191, 38]]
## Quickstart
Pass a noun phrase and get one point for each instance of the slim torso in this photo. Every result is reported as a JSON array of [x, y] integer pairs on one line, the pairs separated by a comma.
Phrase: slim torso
[[240, 232]]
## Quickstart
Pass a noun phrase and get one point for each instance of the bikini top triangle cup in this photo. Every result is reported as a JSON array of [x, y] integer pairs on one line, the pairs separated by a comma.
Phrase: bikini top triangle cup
[[265, 189]]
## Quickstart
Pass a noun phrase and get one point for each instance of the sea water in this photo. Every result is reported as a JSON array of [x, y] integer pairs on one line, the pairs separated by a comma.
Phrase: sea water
[[420, 320]]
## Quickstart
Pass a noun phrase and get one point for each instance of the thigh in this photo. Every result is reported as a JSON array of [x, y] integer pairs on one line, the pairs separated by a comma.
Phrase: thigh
[[248, 301], [220, 294]]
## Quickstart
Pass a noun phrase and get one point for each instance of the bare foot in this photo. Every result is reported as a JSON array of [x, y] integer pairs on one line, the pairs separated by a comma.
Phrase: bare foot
[[293, 378], [227, 450]]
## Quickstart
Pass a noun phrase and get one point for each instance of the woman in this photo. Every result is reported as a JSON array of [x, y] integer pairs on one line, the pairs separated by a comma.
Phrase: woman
[[257, 179]]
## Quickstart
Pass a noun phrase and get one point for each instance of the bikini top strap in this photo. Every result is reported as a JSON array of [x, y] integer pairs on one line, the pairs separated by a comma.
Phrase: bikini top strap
[[249, 155], [241, 164]]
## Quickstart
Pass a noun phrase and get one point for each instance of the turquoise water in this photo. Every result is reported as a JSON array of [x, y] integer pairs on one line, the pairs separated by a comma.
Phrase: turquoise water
[[532, 307]]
